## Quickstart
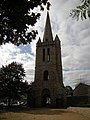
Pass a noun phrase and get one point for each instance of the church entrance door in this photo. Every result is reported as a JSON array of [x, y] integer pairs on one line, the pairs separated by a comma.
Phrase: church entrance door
[[46, 99]]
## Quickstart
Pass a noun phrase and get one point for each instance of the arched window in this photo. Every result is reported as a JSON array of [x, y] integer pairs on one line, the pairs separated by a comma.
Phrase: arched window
[[46, 75]]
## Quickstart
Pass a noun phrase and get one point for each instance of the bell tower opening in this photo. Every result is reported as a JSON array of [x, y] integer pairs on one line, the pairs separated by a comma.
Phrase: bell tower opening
[[48, 54], [43, 55]]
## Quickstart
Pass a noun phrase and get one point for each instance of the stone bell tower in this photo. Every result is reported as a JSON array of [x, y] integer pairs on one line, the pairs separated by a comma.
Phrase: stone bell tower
[[48, 88]]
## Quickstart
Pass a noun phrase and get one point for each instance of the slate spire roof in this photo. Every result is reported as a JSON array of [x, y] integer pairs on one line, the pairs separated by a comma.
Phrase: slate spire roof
[[48, 31]]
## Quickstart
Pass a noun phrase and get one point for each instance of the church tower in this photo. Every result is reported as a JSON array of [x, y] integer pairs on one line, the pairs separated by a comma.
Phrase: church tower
[[48, 88]]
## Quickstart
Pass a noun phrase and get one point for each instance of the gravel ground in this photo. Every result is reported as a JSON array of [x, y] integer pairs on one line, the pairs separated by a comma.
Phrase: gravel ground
[[72, 113], [81, 110]]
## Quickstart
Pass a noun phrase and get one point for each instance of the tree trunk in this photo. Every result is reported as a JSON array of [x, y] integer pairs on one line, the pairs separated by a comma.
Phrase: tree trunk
[[9, 102]]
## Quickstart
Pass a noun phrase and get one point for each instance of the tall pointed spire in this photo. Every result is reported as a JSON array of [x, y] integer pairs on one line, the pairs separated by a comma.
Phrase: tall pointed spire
[[48, 31]]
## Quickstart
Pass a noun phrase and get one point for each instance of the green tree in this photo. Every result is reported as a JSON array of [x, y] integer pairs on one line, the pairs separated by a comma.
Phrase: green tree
[[15, 18], [82, 11], [12, 86], [69, 91]]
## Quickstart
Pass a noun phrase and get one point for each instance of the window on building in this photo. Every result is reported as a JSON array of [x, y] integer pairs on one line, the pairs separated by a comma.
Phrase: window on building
[[46, 75], [48, 54], [43, 54]]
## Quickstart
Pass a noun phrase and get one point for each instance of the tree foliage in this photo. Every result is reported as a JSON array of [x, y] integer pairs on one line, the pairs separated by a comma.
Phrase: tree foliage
[[16, 16], [69, 91], [82, 11], [12, 86]]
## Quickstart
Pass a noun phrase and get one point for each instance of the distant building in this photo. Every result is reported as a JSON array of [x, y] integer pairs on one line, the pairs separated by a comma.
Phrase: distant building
[[81, 96], [48, 88], [82, 91]]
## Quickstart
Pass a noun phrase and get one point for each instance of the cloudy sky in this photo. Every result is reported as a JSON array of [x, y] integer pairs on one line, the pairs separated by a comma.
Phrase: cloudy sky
[[75, 44]]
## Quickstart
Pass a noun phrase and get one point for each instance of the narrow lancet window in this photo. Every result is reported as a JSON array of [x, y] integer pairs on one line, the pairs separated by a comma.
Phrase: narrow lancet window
[[43, 55], [48, 54]]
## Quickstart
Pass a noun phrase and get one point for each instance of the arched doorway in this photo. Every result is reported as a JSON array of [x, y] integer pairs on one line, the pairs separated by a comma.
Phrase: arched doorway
[[46, 99]]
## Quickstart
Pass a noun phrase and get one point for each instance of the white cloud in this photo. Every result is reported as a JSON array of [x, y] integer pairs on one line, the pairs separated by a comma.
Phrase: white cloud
[[21, 54], [75, 40]]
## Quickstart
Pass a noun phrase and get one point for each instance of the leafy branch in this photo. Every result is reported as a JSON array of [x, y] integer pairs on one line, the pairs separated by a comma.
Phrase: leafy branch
[[82, 11]]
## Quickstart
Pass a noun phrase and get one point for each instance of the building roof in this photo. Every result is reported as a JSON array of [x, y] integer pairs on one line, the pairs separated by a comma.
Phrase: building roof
[[82, 90], [81, 84]]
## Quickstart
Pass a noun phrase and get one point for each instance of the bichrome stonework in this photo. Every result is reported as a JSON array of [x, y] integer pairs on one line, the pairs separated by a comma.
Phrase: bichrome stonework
[[47, 88]]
